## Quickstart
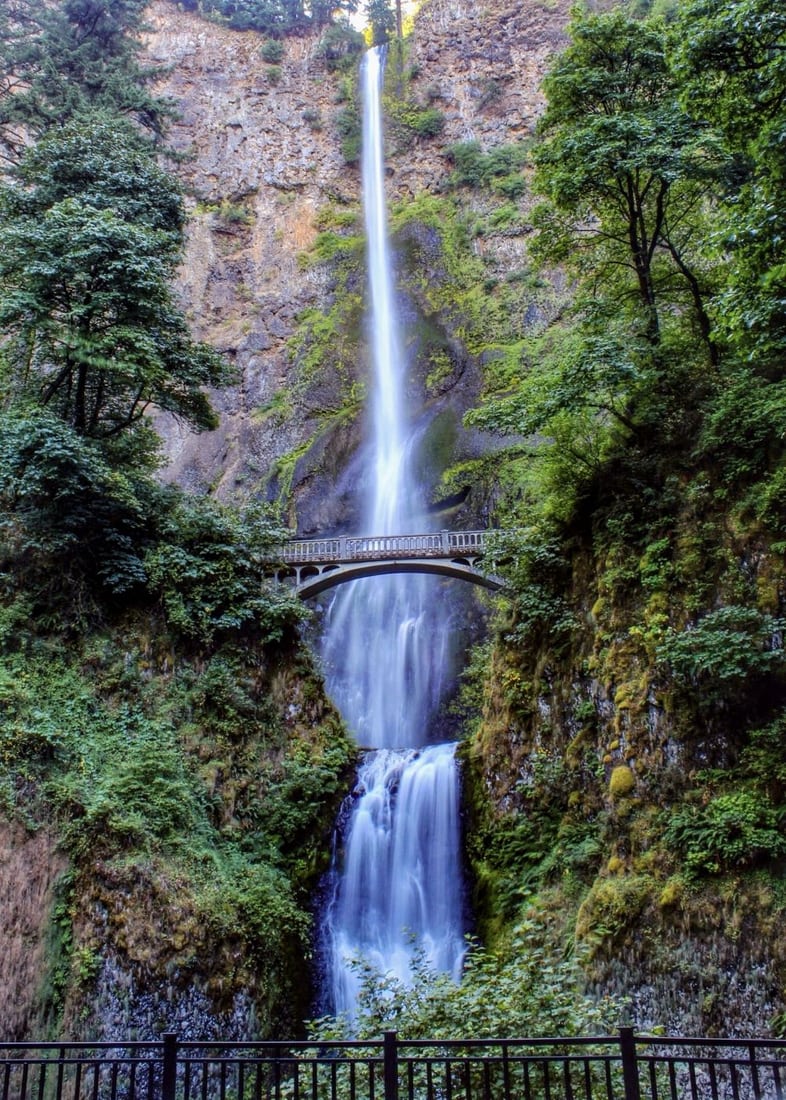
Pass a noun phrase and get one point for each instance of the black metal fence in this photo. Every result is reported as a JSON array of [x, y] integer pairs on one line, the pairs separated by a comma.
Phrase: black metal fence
[[622, 1067]]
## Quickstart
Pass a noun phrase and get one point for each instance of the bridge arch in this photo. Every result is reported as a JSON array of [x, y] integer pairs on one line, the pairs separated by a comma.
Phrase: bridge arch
[[332, 576]]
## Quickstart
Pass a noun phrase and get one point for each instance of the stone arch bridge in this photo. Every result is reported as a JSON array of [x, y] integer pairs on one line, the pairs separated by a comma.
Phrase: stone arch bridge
[[319, 564]]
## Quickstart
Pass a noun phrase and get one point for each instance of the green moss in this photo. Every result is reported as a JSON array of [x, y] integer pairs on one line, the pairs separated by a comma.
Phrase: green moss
[[276, 411], [611, 908], [330, 245]]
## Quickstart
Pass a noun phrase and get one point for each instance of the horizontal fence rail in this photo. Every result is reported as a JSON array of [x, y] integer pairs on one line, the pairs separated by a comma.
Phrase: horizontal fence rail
[[621, 1067], [347, 548]]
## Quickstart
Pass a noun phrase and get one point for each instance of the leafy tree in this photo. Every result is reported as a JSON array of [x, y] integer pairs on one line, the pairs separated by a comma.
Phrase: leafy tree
[[382, 18], [210, 567], [731, 59], [92, 234], [64, 509], [59, 60], [273, 17], [625, 171]]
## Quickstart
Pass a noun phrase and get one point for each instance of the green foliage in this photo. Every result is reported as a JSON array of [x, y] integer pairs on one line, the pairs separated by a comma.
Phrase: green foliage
[[329, 246], [348, 126], [625, 169], [725, 647], [145, 798], [85, 301], [499, 169], [381, 15], [210, 570], [411, 121], [611, 908], [536, 570], [732, 830], [118, 751], [296, 795], [524, 989], [312, 118], [273, 17], [763, 759], [62, 501], [272, 51], [60, 61], [732, 72], [540, 842], [340, 46], [255, 901]]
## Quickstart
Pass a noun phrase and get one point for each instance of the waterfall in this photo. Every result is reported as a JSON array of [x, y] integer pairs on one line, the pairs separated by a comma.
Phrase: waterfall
[[386, 650]]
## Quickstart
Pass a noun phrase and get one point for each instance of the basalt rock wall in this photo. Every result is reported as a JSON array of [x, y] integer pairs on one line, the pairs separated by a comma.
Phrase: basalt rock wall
[[263, 163]]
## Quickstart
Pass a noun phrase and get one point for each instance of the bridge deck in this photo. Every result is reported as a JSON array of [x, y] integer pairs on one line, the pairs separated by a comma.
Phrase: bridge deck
[[347, 548]]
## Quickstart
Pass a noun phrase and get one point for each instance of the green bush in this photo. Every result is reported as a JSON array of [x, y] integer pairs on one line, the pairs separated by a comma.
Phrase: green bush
[[725, 647], [732, 830], [411, 121], [524, 989], [312, 118], [210, 570], [340, 46], [498, 170], [62, 499], [349, 129], [427, 123], [272, 51]]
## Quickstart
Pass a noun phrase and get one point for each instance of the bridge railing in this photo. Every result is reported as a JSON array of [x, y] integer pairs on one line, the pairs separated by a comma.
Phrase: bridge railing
[[621, 1067], [442, 544]]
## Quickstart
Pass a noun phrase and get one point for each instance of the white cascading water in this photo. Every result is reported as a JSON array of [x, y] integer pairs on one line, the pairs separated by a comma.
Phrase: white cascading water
[[398, 890]]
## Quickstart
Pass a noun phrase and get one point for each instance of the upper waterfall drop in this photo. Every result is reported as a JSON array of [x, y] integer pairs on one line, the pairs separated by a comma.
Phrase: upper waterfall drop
[[387, 652]]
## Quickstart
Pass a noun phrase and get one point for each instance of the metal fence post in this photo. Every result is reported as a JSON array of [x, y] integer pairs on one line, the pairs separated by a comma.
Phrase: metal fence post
[[390, 1051], [169, 1073], [630, 1066]]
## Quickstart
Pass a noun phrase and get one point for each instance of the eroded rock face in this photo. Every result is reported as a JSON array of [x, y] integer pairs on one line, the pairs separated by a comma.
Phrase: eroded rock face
[[264, 160], [482, 65], [258, 170], [30, 866]]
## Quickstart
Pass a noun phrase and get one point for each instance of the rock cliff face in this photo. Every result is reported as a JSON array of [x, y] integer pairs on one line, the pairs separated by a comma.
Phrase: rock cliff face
[[263, 164], [256, 172], [30, 866]]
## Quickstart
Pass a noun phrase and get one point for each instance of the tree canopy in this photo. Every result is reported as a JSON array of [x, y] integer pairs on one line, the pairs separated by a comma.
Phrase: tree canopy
[[59, 61], [92, 232]]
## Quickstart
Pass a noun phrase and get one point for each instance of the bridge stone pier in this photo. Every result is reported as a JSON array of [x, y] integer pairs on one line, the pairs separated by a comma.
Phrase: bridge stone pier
[[319, 564]]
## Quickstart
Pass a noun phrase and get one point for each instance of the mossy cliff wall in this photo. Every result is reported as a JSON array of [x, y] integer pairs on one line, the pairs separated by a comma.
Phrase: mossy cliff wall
[[168, 812], [624, 792]]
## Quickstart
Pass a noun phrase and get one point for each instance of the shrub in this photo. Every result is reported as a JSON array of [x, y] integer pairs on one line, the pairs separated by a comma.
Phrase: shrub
[[339, 46], [524, 989], [272, 51], [312, 118], [728, 645], [499, 169], [349, 129], [210, 570], [735, 829], [428, 123]]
